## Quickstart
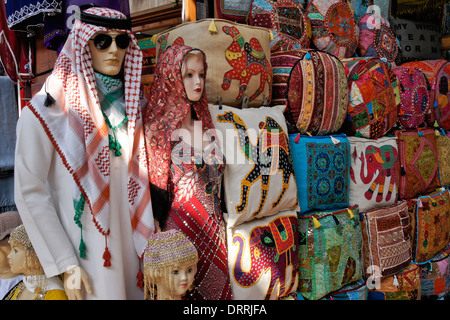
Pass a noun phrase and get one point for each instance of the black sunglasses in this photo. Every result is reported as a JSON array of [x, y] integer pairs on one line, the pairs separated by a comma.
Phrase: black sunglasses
[[103, 41]]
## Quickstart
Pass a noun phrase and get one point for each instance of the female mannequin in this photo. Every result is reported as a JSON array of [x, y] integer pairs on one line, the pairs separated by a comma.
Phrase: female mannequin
[[80, 156], [23, 260], [170, 264], [186, 165]]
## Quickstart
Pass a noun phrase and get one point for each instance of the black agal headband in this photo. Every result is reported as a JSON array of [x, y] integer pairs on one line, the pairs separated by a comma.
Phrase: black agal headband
[[111, 23]]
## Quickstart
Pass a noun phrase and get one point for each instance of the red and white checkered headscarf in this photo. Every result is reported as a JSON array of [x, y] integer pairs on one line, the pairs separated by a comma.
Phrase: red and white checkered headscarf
[[78, 131]]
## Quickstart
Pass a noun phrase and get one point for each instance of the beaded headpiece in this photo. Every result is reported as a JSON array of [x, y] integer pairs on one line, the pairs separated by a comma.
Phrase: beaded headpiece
[[19, 237]]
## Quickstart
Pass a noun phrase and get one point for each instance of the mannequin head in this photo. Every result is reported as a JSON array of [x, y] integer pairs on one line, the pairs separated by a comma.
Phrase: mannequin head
[[170, 265], [193, 75], [8, 221], [108, 49]]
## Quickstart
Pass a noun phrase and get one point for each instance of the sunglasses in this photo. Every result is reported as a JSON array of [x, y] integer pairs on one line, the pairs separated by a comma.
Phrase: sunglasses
[[103, 41]]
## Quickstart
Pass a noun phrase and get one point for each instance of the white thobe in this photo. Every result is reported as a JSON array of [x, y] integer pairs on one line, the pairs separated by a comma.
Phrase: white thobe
[[43, 196]]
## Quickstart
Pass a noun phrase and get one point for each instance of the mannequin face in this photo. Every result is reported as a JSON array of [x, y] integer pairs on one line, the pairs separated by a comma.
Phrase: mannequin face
[[4, 264], [17, 259], [109, 60], [193, 76], [183, 278]]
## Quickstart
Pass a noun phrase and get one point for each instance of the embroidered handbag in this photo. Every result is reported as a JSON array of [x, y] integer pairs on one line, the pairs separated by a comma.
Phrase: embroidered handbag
[[443, 148], [329, 251], [238, 58], [415, 108], [334, 28], [438, 75], [263, 257], [234, 10], [321, 166], [259, 176], [374, 172], [287, 21], [435, 277], [376, 38], [404, 285], [374, 97], [354, 291], [430, 216], [313, 85], [418, 162], [386, 238]]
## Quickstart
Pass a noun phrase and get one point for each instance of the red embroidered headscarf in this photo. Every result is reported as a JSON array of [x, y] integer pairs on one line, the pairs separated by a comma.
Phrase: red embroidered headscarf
[[168, 107]]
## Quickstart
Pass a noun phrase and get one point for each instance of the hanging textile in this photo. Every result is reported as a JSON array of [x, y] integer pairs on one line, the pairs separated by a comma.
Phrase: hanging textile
[[23, 14]]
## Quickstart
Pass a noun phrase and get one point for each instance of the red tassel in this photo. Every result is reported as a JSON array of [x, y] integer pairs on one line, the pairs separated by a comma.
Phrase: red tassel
[[107, 258], [140, 276]]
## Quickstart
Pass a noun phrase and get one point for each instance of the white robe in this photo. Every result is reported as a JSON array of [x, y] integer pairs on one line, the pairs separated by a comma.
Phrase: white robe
[[43, 196]]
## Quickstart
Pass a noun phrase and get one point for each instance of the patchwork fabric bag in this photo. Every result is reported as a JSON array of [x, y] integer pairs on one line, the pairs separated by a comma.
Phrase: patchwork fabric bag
[[443, 148], [334, 28], [376, 38], [374, 172], [263, 257], [313, 85], [415, 108], [329, 251], [321, 166], [404, 285], [418, 162], [374, 97], [354, 291], [234, 10], [430, 216], [386, 240], [287, 21], [438, 75], [435, 277], [259, 177], [238, 58]]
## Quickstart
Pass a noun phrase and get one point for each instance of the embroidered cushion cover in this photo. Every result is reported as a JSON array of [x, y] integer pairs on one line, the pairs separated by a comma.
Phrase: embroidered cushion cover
[[334, 28], [354, 291], [430, 216], [435, 277], [376, 38], [374, 172], [313, 85], [259, 176], [374, 97], [415, 109], [386, 239], [287, 21], [321, 166], [443, 148], [234, 10], [404, 285], [238, 58], [418, 162], [263, 257], [438, 75], [329, 251]]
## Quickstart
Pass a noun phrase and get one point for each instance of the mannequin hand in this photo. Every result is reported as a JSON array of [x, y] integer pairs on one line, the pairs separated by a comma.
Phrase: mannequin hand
[[157, 227], [72, 283]]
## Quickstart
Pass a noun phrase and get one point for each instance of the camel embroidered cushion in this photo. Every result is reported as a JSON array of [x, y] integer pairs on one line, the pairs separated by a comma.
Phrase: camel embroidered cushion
[[334, 28], [430, 216], [313, 85], [418, 162], [374, 97], [322, 171], [330, 247], [263, 257], [238, 58], [435, 277], [443, 148], [259, 176], [287, 21], [415, 109], [386, 236], [374, 172]]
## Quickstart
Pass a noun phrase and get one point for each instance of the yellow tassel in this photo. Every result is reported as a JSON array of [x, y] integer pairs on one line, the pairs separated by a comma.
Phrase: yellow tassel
[[212, 27], [154, 38], [309, 134], [350, 213], [316, 223], [270, 36]]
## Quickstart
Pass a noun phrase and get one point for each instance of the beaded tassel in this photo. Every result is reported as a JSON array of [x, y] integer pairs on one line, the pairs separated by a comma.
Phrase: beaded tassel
[[79, 208]]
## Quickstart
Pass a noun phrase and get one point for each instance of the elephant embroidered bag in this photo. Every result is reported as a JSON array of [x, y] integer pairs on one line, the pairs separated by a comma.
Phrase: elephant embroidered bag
[[374, 172], [354, 291], [404, 285], [322, 171], [238, 58], [443, 148], [430, 216], [313, 85], [386, 238], [438, 75], [263, 257], [435, 277], [259, 176], [287, 21], [329, 250], [334, 28], [374, 97], [418, 162], [415, 108]]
